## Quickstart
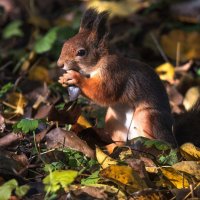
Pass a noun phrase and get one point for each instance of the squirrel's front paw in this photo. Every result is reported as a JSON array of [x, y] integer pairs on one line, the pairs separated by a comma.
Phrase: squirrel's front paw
[[71, 78]]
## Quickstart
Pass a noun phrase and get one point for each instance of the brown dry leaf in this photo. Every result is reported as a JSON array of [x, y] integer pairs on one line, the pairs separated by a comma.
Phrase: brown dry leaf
[[178, 179], [9, 138], [190, 167], [124, 175], [39, 73], [98, 191], [190, 152], [138, 166], [103, 159], [151, 194], [189, 42], [118, 8], [59, 138], [16, 101], [191, 97], [43, 111], [166, 72]]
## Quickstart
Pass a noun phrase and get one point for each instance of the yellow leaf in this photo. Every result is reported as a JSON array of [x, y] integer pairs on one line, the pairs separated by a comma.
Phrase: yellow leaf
[[153, 170], [166, 72], [190, 152], [190, 167], [27, 63], [178, 179], [82, 121], [191, 97], [118, 8], [124, 175], [189, 41], [39, 73], [103, 159], [17, 102]]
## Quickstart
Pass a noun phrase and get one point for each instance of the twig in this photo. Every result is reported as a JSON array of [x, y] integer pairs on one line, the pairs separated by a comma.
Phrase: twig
[[159, 48], [192, 191], [178, 54]]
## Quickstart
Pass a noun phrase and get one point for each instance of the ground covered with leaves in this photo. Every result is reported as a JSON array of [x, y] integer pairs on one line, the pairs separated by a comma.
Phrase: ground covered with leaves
[[53, 148]]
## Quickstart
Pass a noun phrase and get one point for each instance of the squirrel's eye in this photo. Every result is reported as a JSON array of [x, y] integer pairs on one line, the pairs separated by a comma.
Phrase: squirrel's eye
[[81, 52]]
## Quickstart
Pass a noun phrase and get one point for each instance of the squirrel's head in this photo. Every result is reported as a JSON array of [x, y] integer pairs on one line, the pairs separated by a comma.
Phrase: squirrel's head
[[88, 46]]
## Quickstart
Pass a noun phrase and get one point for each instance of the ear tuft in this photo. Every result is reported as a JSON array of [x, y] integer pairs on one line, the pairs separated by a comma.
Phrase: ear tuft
[[100, 23], [100, 26], [88, 19]]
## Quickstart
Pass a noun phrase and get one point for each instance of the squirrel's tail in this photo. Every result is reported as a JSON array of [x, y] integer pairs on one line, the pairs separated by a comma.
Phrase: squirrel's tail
[[187, 126]]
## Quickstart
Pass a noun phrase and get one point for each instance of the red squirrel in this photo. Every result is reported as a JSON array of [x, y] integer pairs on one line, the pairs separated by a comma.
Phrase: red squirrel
[[137, 102]]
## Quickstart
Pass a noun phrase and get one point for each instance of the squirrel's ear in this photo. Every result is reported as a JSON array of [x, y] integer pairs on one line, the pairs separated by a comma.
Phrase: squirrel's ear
[[88, 19], [99, 28]]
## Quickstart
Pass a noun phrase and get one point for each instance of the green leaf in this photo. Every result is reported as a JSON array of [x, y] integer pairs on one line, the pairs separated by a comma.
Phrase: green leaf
[[22, 190], [45, 43], [77, 159], [92, 179], [54, 166], [59, 179], [60, 106], [26, 125], [160, 145], [7, 188], [5, 89], [13, 29], [198, 72], [169, 159]]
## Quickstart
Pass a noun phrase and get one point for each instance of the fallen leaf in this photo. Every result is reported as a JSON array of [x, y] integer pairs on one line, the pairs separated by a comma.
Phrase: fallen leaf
[[82, 121], [27, 63], [7, 188], [138, 166], [124, 175], [59, 179], [178, 179], [103, 189], [151, 194], [189, 44], [190, 167], [59, 138], [16, 101], [9, 139], [191, 97], [103, 159], [39, 73], [190, 152], [153, 170], [166, 72]]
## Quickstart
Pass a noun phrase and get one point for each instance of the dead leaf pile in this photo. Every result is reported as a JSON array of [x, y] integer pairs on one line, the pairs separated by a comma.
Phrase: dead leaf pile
[[55, 148]]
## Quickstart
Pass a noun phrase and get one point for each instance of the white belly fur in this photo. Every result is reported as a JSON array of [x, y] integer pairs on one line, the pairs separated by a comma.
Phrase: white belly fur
[[124, 116], [130, 124]]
